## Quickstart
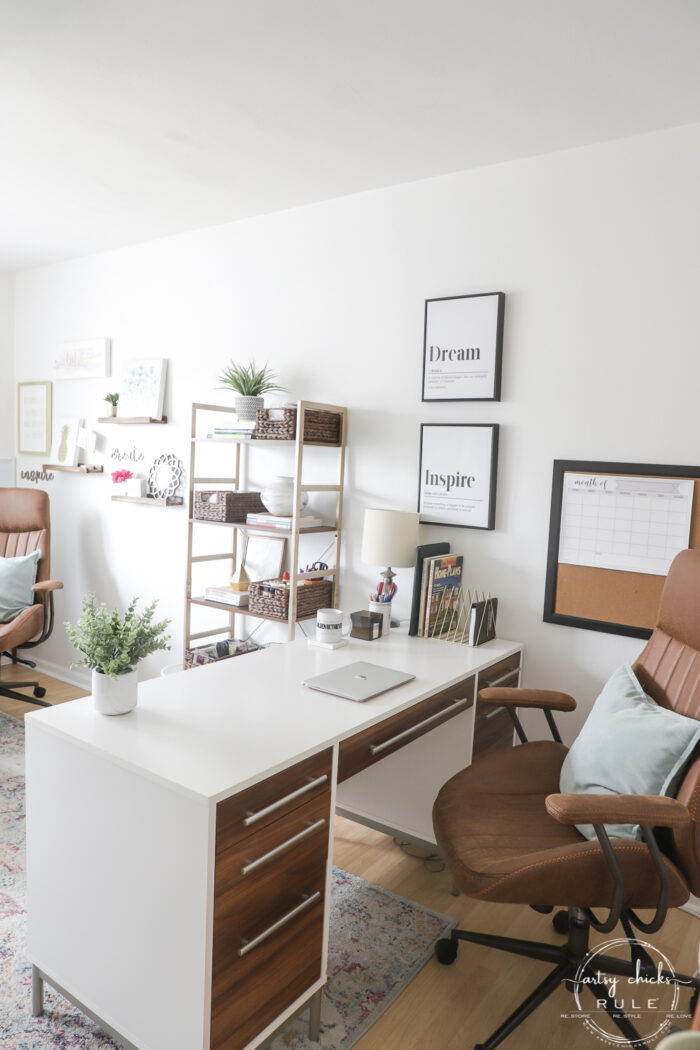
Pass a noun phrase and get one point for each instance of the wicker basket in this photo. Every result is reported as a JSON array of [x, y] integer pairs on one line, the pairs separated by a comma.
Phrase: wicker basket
[[200, 657], [280, 424], [271, 598], [220, 505]]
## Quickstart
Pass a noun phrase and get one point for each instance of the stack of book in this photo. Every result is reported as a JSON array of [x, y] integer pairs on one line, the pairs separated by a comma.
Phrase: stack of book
[[282, 522], [227, 597], [238, 432]]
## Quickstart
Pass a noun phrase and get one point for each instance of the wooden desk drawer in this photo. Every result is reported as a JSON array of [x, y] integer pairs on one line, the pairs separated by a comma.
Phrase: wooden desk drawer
[[493, 729], [253, 809], [371, 745], [504, 673]]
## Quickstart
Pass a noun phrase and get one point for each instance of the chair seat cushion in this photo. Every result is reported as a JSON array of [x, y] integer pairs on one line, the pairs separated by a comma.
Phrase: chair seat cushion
[[500, 844]]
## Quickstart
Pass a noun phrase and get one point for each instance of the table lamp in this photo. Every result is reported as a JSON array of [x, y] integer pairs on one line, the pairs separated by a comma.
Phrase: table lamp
[[389, 537]]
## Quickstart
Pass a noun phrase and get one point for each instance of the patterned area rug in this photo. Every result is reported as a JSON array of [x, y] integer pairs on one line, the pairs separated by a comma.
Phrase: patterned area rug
[[378, 943]]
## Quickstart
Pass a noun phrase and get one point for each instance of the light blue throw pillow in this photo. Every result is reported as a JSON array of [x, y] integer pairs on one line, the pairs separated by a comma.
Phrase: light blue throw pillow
[[17, 577], [628, 746]]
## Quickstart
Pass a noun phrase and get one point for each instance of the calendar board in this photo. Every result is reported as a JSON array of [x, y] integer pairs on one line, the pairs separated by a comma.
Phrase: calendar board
[[614, 530]]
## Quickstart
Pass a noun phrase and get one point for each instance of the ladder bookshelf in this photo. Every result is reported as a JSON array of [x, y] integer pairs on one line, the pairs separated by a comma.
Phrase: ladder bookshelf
[[233, 479]]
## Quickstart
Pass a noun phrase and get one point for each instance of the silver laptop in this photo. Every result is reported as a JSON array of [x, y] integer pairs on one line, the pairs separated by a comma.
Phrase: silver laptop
[[359, 681]]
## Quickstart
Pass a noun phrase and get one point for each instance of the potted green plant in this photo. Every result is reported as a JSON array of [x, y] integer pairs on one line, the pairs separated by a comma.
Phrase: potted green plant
[[250, 382], [112, 400], [112, 645]]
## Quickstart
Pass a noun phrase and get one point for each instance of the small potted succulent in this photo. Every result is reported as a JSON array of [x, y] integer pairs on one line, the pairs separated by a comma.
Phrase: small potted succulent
[[112, 645], [112, 400], [250, 383]]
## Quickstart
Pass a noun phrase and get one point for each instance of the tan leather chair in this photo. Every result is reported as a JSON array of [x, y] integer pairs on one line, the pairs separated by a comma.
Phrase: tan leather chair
[[25, 526], [507, 834]]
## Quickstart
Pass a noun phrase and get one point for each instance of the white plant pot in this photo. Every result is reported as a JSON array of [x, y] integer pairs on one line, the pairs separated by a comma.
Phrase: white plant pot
[[278, 496], [114, 698], [247, 407]]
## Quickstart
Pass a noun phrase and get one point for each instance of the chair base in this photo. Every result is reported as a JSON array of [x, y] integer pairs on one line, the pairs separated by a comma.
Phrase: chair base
[[12, 694], [566, 958]]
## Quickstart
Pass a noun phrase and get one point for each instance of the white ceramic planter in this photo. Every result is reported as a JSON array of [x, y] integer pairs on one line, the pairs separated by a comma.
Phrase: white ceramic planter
[[247, 407], [114, 698], [278, 496]]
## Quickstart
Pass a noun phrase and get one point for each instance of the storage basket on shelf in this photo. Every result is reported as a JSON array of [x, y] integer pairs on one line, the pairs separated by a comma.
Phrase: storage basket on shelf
[[226, 506], [271, 598], [206, 654], [280, 424]]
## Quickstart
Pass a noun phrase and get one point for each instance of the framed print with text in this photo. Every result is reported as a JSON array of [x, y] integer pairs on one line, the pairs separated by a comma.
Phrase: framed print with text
[[33, 418], [458, 463], [462, 348]]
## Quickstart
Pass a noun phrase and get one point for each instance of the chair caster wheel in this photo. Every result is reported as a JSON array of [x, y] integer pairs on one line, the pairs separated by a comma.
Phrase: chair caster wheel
[[560, 922], [39, 691], [446, 951]]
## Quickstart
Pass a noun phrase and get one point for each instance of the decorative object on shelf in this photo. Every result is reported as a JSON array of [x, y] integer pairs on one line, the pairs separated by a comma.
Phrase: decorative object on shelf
[[240, 580], [278, 496], [112, 645], [389, 536], [366, 625], [33, 418], [165, 476], [225, 506], [64, 450], [457, 474], [250, 383], [462, 348], [263, 556], [280, 424], [134, 488], [112, 400], [87, 441], [143, 388], [120, 476], [211, 654], [82, 359], [271, 598]]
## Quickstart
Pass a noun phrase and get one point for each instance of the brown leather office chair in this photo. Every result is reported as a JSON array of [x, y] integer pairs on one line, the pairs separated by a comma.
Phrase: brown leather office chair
[[507, 834], [25, 526]]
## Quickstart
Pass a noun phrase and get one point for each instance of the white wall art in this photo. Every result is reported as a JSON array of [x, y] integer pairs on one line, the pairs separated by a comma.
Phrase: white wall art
[[82, 359], [65, 450], [143, 388], [33, 418]]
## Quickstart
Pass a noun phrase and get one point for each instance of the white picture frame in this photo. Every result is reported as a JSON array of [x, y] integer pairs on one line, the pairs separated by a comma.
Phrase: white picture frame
[[462, 347], [457, 475], [82, 359], [263, 557], [34, 418], [65, 449], [142, 392]]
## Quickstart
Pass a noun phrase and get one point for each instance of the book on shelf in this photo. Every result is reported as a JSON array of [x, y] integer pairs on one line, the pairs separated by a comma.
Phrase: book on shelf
[[442, 593], [227, 596], [283, 521], [230, 435], [424, 551], [482, 621]]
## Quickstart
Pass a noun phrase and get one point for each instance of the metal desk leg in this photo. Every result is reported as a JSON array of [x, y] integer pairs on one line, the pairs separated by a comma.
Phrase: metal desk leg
[[37, 993], [315, 1017]]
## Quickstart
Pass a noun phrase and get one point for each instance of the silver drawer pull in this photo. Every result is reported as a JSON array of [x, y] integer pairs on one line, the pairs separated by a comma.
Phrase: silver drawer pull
[[247, 946], [308, 830], [503, 678], [251, 818], [494, 711], [376, 749]]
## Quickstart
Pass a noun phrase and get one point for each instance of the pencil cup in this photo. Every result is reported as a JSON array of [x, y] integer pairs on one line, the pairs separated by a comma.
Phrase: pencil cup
[[385, 609]]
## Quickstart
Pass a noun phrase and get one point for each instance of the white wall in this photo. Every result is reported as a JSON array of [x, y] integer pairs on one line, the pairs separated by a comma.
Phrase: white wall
[[597, 250], [7, 386]]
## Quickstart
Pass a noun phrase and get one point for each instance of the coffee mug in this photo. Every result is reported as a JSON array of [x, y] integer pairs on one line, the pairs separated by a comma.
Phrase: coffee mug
[[329, 625]]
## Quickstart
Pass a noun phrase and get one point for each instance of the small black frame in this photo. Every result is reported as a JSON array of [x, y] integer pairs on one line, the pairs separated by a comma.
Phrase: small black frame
[[498, 346], [493, 471]]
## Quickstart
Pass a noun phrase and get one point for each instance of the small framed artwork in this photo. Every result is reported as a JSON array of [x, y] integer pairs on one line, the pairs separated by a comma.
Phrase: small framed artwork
[[263, 557], [65, 449], [457, 484], [143, 388], [462, 348], [33, 418], [81, 359]]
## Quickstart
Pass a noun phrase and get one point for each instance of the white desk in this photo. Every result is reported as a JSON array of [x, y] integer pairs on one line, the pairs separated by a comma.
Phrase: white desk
[[136, 849]]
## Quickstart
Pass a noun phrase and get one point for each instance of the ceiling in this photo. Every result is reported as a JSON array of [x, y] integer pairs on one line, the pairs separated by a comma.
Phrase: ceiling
[[127, 120]]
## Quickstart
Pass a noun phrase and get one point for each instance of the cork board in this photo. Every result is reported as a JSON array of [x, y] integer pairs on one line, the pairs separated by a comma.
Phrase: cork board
[[608, 599]]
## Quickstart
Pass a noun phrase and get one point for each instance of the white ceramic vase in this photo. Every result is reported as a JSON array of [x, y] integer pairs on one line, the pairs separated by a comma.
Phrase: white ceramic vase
[[278, 496], [114, 698], [247, 408]]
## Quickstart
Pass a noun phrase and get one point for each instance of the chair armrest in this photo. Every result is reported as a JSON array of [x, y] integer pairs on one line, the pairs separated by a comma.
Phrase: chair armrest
[[514, 697], [648, 810], [46, 586]]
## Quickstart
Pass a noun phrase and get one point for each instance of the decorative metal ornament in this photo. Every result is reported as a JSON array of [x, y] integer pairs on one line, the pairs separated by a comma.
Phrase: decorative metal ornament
[[165, 476]]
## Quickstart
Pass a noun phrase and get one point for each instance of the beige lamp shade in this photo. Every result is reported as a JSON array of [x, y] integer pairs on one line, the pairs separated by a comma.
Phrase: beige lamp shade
[[389, 537]]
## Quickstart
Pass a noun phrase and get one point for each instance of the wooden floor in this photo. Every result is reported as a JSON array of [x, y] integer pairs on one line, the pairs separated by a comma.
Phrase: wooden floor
[[56, 692], [454, 1007]]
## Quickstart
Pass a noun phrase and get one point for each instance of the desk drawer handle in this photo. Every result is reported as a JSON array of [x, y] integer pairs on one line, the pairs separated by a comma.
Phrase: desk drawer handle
[[494, 711], [247, 946], [376, 749], [308, 830], [499, 681], [251, 818]]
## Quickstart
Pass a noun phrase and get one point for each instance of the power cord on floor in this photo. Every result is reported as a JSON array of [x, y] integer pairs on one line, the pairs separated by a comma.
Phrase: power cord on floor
[[432, 862]]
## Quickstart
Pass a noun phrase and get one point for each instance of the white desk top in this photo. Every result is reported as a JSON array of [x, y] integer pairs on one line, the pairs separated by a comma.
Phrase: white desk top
[[217, 729]]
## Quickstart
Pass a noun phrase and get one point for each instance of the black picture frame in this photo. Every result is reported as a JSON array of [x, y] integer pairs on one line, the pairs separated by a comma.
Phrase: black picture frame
[[493, 385], [560, 468], [485, 487]]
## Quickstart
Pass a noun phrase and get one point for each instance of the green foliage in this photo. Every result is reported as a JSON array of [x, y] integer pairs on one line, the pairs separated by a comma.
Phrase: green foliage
[[247, 380], [114, 644], [113, 399]]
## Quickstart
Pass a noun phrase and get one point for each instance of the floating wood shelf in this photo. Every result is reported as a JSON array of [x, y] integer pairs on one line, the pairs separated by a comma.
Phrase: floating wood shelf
[[131, 419], [151, 501], [81, 469]]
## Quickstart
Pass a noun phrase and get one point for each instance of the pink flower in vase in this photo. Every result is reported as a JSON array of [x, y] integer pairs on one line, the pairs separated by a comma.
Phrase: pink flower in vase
[[121, 475]]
